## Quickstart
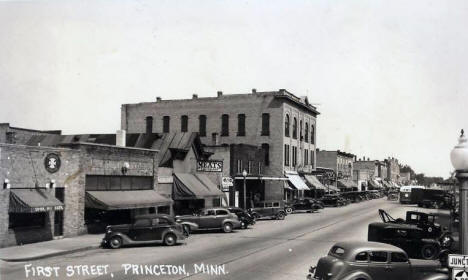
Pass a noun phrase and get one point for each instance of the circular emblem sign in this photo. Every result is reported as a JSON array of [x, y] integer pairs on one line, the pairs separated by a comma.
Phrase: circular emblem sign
[[52, 163]]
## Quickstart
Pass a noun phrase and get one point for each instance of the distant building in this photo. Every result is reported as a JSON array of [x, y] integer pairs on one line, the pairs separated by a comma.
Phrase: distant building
[[16, 135], [393, 170], [279, 122], [341, 163], [405, 178]]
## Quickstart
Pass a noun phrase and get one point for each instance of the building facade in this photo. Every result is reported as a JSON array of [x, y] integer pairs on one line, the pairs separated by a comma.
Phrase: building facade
[[17, 135], [393, 170], [342, 164], [283, 125]]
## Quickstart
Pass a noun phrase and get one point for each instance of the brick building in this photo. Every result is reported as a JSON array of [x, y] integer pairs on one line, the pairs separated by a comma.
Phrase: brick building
[[66, 187], [283, 125], [341, 163], [17, 135], [393, 170]]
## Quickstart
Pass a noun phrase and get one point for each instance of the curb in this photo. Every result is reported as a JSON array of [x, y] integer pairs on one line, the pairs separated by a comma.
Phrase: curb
[[60, 253]]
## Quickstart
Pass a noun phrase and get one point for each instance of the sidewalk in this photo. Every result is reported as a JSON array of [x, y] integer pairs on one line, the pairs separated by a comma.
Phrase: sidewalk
[[51, 248]]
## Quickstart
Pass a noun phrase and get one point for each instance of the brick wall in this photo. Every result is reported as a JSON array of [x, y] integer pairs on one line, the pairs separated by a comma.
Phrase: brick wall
[[14, 135]]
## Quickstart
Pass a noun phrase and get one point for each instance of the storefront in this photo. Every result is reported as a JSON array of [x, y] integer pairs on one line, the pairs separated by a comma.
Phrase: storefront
[[345, 185], [296, 186], [317, 189]]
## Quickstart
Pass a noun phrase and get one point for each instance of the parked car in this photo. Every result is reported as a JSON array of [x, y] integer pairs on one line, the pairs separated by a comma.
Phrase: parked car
[[437, 199], [425, 221], [145, 229], [393, 195], [411, 238], [244, 217], [333, 200], [268, 209], [212, 218], [306, 204], [374, 261]]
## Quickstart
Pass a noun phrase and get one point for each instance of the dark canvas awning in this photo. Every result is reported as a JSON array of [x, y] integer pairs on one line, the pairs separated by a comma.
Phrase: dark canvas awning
[[32, 201], [314, 182], [113, 200], [296, 181], [194, 186]]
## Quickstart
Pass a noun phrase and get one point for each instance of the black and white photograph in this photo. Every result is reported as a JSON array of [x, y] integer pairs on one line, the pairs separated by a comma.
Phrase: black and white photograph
[[218, 139]]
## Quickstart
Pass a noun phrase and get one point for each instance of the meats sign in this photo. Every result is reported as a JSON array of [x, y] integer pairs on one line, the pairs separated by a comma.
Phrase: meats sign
[[209, 166]]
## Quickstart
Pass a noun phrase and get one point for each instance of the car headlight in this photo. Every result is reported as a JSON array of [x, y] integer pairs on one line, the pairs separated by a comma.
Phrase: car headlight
[[108, 230]]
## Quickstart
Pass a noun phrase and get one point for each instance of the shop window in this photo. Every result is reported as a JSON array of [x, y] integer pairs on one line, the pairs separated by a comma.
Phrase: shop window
[[225, 125], [265, 124], [306, 133], [286, 126], [286, 155], [239, 166], [164, 210], [166, 123], [26, 220], [294, 132], [266, 150], [202, 125], [184, 123], [249, 167], [241, 125], [312, 134], [149, 124]]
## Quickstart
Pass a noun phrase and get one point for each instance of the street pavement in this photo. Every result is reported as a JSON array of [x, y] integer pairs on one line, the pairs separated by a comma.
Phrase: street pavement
[[269, 250]]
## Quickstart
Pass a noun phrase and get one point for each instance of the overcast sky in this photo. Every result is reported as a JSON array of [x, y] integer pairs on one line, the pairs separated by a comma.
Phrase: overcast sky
[[390, 77]]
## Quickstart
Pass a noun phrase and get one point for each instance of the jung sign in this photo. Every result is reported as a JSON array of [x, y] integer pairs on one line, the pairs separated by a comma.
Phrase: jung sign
[[209, 166]]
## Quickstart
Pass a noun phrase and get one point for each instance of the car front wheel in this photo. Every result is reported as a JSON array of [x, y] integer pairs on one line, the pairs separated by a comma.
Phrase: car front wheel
[[280, 216], [227, 227], [289, 210], [170, 239], [429, 251], [115, 242]]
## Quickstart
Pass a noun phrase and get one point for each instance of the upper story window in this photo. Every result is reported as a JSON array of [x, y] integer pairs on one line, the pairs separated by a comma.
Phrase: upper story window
[[241, 125], [294, 132], [300, 131], [149, 124], [184, 123], [225, 125], [286, 155], [265, 124], [166, 122], [312, 134], [266, 150], [286, 126], [202, 125], [306, 132]]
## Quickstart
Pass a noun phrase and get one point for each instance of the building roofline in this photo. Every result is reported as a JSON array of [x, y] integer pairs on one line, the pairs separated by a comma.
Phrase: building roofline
[[107, 146], [58, 132]]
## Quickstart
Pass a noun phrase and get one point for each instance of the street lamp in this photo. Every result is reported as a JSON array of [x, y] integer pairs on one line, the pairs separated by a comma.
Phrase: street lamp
[[244, 174], [459, 159]]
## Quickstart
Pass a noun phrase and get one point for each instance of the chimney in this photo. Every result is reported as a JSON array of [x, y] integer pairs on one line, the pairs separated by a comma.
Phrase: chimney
[[120, 138], [220, 93], [254, 90], [158, 99], [195, 96]]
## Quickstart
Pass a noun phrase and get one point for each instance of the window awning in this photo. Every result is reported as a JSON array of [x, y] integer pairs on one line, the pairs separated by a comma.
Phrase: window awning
[[32, 201], [373, 184], [297, 182], [114, 200], [312, 180], [346, 184], [194, 186]]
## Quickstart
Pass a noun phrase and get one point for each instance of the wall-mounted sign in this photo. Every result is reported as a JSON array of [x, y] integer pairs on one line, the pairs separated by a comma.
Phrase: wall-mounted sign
[[165, 179], [226, 182], [209, 166], [52, 163]]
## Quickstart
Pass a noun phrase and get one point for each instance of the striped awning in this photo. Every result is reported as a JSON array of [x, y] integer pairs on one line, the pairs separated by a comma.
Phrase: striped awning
[[33, 200], [114, 200], [314, 182]]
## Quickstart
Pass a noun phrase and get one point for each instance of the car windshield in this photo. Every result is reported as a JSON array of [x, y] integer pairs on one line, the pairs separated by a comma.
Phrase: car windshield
[[337, 251]]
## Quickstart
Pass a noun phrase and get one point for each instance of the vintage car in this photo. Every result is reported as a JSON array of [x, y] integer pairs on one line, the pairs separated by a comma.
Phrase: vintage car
[[437, 199], [268, 209], [333, 200], [212, 218], [306, 204], [411, 238], [393, 195], [244, 217], [374, 261], [145, 229], [425, 221]]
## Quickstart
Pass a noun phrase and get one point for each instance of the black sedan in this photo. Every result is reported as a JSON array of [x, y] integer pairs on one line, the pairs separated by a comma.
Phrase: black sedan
[[244, 217], [145, 229], [306, 204]]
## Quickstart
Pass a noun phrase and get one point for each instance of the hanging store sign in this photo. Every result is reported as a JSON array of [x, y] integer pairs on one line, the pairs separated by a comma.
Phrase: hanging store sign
[[226, 182], [52, 163], [209, 166]]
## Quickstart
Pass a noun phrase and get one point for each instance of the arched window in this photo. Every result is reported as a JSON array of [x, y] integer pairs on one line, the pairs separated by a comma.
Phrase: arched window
[[306, 132], [225, 125], [312, 134], [184, 123], [286, 126], [300, 131], [295, 128], [202, 125]]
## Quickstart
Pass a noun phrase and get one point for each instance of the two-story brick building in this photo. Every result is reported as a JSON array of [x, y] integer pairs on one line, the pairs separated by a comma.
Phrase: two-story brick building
[[282, 124], [342, 164]]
